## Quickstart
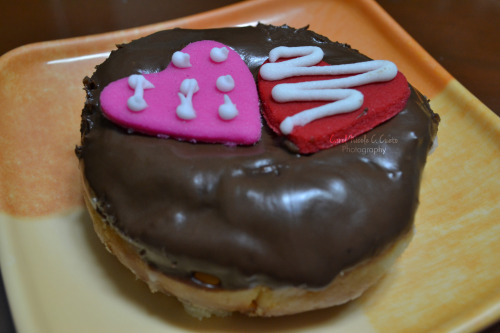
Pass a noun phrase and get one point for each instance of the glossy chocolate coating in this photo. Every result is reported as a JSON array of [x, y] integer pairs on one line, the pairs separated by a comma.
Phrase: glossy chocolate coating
[[258, 214]]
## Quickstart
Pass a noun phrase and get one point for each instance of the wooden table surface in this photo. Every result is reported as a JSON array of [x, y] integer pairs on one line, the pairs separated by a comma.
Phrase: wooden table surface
[[462, 35]]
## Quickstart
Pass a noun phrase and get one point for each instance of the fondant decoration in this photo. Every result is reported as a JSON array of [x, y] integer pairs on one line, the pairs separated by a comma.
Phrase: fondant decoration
[[181, 109], [185, 110], [228, 110], [225, 83], [306, 100], [138, 82], [219, 54], [345, 100], [181, 59]]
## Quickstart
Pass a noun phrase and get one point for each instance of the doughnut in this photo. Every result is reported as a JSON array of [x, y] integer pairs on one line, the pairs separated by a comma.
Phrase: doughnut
[[265, 170]]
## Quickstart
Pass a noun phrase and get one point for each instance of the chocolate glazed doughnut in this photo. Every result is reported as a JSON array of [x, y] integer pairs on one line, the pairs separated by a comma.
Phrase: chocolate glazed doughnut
[[257, 229]]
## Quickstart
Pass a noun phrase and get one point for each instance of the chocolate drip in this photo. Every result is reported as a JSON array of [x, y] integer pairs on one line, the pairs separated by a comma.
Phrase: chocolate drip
[[259, 214]]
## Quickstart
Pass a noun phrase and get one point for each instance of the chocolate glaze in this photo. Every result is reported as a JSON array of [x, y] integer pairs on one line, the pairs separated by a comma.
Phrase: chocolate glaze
[[258, 214]]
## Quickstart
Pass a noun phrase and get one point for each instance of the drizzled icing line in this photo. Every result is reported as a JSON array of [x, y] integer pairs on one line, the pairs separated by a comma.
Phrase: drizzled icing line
[[304, 59]]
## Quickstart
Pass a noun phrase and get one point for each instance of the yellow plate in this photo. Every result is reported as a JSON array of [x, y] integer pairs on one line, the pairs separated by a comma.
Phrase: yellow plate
[[59, 278]]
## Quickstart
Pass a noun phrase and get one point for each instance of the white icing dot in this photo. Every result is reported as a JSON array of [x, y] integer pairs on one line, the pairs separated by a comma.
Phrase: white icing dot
[[219, 54], [181, 59], [138, 82], [225, 83], [189, 85], [185, 110], [136, 103], [228, 110]]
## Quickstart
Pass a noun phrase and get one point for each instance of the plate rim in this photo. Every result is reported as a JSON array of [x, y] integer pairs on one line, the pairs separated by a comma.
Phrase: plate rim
[[138, 32]]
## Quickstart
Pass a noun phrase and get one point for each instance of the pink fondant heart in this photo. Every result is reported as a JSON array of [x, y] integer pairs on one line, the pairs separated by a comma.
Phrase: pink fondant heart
[[159, 118]]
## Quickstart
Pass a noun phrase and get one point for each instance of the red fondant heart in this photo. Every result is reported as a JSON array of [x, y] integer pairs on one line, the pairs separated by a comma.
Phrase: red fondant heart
[[382, 101]]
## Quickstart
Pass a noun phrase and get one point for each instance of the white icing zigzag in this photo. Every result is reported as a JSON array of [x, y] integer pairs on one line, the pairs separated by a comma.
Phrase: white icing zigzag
[[304, 59]]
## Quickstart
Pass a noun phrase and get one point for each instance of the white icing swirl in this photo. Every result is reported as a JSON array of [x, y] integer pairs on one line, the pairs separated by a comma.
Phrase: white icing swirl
[[219, 54], [181, 59], [228, 110], [225, 83], [138, 82], [304, 59], [185, 110]]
